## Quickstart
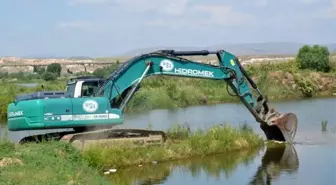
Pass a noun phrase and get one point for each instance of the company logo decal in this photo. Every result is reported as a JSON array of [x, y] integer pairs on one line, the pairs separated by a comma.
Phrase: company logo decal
[[14, 114], [167, 65], [194, 72], [90, 106]]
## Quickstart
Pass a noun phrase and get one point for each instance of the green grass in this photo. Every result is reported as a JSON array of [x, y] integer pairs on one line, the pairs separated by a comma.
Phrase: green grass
[[180, 145], [51, 163]]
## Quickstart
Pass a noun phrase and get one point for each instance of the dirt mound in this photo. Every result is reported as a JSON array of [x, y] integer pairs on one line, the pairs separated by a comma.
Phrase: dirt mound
[[321, 81]]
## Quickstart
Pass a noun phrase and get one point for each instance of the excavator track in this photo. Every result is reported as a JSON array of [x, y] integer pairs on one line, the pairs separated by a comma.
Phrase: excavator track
[[106, 137], [115, 137]]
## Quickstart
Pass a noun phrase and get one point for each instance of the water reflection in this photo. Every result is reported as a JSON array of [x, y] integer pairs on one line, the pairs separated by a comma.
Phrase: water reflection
[[223, 168], [276, 161], [215, 166]]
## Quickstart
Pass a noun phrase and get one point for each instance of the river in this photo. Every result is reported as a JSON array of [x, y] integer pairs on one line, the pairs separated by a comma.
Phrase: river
[[311, 160]]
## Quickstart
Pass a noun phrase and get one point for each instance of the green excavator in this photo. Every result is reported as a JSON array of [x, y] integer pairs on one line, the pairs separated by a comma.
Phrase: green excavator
[[93, 107]]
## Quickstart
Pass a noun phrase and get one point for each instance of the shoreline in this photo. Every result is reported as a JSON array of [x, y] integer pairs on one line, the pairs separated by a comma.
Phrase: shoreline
[[64, 163], [180, 145]]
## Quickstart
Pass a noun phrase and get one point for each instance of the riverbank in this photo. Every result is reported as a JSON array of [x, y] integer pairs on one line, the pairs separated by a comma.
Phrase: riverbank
[[279, 81], [181, 144], [60, 163]]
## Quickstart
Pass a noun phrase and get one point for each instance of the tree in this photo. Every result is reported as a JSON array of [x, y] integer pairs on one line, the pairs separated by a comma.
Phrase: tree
[[105, 71], [55, 68], [48, 76], [100, 72], [39, 70], [314, 58]]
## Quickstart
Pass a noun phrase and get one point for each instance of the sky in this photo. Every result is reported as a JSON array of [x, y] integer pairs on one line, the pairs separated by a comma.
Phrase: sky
[[111, 27]]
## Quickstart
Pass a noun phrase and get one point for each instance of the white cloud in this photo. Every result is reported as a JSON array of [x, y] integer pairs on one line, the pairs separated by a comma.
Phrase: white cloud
[[170, 7], [223, 15], [73, 25], [264, 3], [309, 1], [187, 12], [332, 10], [78, 2], [328, 12], [200, 15], [204, 16], [333, 4], [261, 3]]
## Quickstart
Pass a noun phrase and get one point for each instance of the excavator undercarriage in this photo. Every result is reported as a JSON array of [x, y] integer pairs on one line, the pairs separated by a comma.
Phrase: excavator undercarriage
[[94, 107], [103, 137]]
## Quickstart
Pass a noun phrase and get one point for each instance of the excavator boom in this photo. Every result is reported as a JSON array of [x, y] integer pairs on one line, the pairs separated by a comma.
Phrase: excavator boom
[[276, 126], [106, 103]]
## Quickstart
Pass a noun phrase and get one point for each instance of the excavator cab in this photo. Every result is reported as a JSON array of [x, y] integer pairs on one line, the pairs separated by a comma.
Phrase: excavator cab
[[84, 86]]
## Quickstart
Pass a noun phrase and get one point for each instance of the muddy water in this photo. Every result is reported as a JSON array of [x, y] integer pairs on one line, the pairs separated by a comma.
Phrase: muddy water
[[311, 160]]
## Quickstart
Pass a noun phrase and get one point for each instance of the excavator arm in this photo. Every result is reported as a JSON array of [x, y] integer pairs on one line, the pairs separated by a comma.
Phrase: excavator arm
[[124, 82]]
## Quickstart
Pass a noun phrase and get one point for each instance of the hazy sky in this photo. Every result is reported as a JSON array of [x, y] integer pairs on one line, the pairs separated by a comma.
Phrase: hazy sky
[[109, 27]]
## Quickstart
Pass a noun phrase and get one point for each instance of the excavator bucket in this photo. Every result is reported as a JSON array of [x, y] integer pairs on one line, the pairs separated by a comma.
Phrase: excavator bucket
[[281, 128]]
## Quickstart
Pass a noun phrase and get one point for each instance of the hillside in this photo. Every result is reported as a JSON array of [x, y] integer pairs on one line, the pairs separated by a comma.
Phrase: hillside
[[262, 49], [266, 48]]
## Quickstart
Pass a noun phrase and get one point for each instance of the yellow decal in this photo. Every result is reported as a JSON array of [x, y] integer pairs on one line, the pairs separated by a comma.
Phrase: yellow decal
[[232, 62]]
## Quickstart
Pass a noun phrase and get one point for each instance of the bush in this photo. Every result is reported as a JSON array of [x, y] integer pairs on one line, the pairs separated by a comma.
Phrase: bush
[[48, 76], [100, 72], [105, 71], [333, 63], [314, 58], [39, 70], [55, 68], [305, 85]]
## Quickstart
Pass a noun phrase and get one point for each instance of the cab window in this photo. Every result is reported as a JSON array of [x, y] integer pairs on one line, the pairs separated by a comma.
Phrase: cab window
[[70, 89], [88, 88]]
